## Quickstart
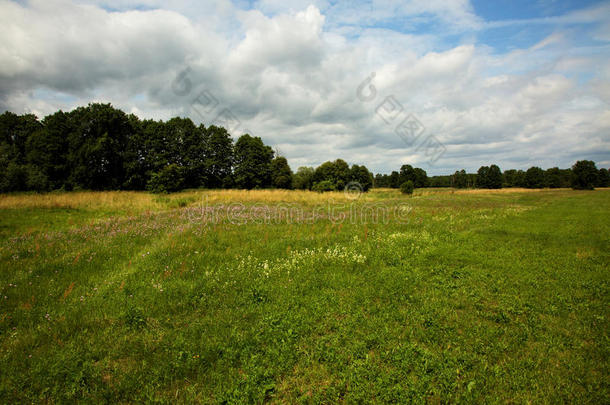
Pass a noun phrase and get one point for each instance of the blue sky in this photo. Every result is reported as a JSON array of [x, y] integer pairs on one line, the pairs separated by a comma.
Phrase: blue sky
[[516, 83]]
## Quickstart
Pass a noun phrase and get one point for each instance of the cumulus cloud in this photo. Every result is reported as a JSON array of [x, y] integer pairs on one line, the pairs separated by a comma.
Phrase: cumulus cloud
[[289, 72]]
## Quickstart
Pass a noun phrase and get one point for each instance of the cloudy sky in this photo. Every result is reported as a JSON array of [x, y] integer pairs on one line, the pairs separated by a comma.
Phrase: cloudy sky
[[439, 84]]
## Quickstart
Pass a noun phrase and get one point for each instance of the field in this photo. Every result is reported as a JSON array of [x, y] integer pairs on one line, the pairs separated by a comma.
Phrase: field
[[288, 296]]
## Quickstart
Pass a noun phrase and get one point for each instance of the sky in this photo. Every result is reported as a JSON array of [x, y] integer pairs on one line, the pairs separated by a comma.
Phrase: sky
[[439, 84]]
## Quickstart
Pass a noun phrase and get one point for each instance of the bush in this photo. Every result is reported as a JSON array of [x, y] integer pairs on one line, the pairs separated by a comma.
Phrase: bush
[[325, 185], [167, 180], [407, 187]]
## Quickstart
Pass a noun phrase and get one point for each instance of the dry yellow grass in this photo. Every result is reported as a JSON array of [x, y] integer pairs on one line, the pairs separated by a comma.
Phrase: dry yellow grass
[[141, 201], [128, 200], [269, 196], [137, 201]]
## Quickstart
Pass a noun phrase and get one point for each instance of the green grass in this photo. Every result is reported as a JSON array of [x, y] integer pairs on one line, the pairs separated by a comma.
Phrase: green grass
[[479, 297]]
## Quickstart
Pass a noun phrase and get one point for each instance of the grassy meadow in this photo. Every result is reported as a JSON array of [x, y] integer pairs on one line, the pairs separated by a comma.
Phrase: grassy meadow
[[287, 297]]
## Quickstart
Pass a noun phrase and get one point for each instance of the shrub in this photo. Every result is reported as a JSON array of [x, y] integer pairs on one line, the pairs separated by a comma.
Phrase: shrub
[[167, 180], [407, 187], [325, 185]]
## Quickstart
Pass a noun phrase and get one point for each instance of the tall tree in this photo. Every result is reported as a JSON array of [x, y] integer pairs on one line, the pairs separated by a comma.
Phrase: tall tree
[[418, 176], [137, 157], [303, 178], [460, 179], [362, 176], [552, 177], [494, 177], [192, 151], [603, 178], [482, 177], [281, 174], [218, 157], [394, 179], [534, 177], [15, 131], [584, 175], [381, 180], [336, 173], [47, 149], [252, 163], [97, 143]]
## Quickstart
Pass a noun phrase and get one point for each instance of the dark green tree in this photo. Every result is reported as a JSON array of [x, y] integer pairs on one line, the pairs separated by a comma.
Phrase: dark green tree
[[489, 177], [381, 180], [440, 181], [97, 143], [303, 178], [603, 178], [47, 150], [13, 177], [552, 177], [494, 177], [337, 172], [394, 180], [324, 185], [417, 175], [137, 157], [482, 177], [168, 179], [281, 174], [584, 175], [407, 187], [508, 178], [534, 177], [14, 133], [15, 130], [190, 140], [362, 176], [252, 163], [460, 179], [218, 157]]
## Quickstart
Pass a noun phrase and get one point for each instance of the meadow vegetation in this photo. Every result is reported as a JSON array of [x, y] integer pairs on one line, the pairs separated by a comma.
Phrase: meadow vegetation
[[487, 297]]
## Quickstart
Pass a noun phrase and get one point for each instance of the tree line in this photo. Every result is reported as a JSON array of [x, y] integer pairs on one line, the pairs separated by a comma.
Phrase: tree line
[[99, 147], [583, 175]]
